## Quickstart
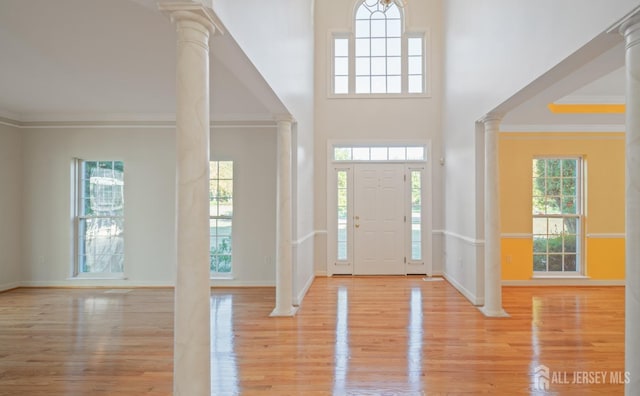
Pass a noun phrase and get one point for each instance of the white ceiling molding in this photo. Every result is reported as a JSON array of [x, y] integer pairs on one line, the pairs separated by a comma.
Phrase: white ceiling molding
[[562, 128]]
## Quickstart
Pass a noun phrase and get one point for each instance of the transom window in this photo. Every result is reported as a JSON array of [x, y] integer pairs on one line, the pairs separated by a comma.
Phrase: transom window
[[385, 59], [220, 216], [378, 153], [557, 215], [99, 218]]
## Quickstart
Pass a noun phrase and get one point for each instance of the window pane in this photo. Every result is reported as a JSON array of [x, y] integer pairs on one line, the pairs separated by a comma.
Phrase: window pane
[[101, 245], [568, 205], [415, 84], [553, 168], [363, 84], [378, 66], [569, 167], [342, 154], [362, 28], [393, 66], [394, 47], [361, 153], [341, 67], [539, 262], [363, 66], [394, 28], [394, 84], [221, 205], [570, 262], [540, 244], [414, 46], [363, 47], [415, 65], [415, 153], [341, 47], [416, 251], [555, 262], [226, 169], [378, 28], [341, 85], [393, 12], [378, 47], [397, 154], [378, 84], [342, 250], [379, 153]]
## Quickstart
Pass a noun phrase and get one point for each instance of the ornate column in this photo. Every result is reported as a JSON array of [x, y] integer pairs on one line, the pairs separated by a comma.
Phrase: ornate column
[[492, 254], [631, 32], [284, 218], [192, 343]]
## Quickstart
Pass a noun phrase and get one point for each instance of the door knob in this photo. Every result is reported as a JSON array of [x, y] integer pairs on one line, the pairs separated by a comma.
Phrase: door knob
[[357, 225]]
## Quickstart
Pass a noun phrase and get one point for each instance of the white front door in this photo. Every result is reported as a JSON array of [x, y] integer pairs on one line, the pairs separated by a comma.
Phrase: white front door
[[379, 221]]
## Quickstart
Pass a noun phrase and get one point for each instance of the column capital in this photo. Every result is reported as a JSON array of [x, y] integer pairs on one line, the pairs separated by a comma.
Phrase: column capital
[[491, 118], [284, 118], [187, 10]]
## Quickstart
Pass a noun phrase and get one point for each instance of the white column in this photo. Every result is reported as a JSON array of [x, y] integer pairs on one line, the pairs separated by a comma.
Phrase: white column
[[284, 218], [192, 343], [631, 31], [492, 254]]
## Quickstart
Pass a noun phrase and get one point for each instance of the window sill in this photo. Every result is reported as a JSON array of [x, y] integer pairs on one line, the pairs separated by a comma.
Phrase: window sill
[[559, 276], [222, 277]]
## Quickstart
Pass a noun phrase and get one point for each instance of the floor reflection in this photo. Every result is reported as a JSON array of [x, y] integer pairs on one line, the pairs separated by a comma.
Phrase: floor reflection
[[224, 365], [341, 352], [414, 346]]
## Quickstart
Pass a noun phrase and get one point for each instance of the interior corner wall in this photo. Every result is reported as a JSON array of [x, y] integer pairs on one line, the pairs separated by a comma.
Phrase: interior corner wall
[[492, 50], [10, 206], [379, 119], [604, 196], [288, 69]]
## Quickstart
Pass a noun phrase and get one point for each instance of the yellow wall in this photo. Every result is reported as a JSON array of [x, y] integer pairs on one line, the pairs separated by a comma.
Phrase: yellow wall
[[603, 226]]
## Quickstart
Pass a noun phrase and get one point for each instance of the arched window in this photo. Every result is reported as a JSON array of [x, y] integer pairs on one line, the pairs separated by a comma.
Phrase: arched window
[[385, 60]]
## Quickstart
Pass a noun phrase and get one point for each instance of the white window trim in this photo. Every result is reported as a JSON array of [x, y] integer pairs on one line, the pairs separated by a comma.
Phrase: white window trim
[[76, 274], [213, 275], [581, 266], [425, 34]]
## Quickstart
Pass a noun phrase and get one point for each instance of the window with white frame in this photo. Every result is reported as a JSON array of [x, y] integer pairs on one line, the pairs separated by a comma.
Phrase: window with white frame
[[380, 57], [220, 216], [378, 153], [557, 215], [99, 219]]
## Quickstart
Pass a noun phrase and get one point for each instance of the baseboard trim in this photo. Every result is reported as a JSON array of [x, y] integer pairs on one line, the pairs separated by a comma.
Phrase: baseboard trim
[[564, 282], [304, 290], [473, 299], [9, 286]]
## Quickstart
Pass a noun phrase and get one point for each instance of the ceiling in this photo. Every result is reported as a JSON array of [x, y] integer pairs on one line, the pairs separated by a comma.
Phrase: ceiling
[[95, 60], [69, 60]]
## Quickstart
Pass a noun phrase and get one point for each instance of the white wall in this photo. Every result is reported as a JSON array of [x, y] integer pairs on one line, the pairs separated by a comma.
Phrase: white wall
[[150, 166], [376, 119], [254, 220], [10, 206], [493, 49], [149, 158], [278, 38]]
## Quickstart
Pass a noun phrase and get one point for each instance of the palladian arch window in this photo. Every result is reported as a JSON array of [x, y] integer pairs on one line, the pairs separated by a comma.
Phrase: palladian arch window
[[385, 58]]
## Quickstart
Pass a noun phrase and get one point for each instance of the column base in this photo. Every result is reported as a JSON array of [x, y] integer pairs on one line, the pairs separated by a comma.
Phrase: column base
[[494, 314], [291, 311]]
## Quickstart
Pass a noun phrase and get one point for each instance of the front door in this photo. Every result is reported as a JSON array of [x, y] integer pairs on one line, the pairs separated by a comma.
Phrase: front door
[[378, 219]]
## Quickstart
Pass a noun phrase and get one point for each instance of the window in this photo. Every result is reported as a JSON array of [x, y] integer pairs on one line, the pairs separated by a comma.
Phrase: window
[[379, 153], [220, 216], [416, 214], [99, 217], [343, 215], [557, 214], [384, 60]]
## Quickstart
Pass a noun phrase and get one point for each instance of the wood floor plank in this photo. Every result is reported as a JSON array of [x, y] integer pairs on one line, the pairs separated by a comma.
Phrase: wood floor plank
[[352, 336]]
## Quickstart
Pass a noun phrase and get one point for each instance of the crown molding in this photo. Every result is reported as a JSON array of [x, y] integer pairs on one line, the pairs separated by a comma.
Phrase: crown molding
[[532, 128], [590, 99], [77, 121]]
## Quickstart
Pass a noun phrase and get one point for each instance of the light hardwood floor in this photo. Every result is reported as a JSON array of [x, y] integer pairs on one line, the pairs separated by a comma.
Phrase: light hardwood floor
[[352, 336]]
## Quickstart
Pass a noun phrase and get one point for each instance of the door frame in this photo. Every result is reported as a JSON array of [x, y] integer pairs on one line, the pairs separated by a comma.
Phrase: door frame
[[336, 267]]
